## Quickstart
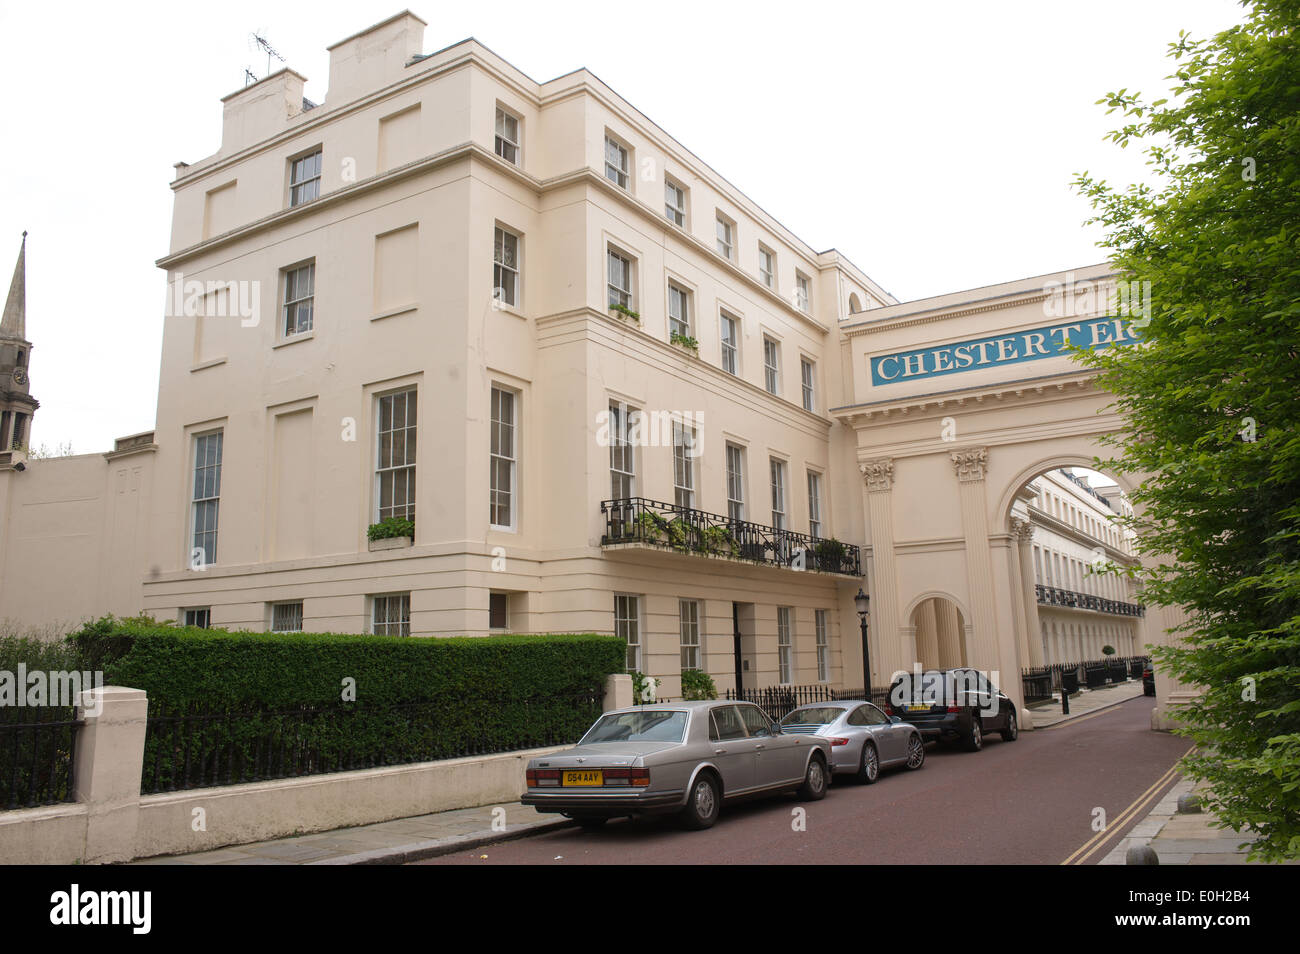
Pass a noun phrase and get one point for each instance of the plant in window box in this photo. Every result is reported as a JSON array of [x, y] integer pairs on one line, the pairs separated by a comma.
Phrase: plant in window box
[[830, 553], [391, 533], [685, 341], [651, 527], [719, 540], [625, 311], [684, 535], [698, 684]]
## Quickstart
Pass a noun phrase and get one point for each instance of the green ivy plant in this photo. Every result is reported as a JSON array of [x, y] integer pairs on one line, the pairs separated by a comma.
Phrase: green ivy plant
[[391, 527], [697, 684], [830, 552], [625, 311], [651, 527], [1108, 650], [686, 341]]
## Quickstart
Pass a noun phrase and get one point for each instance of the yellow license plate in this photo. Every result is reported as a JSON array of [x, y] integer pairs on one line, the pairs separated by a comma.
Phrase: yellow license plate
[[918, 708], [584, 778]]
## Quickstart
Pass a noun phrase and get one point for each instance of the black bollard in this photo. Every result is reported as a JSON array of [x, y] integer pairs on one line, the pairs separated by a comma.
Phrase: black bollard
[[1065, 701]]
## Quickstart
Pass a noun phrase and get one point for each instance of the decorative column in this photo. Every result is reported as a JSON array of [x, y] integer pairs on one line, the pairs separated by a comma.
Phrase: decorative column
[[970, 466], [927, 635], [1024, 533], [887, 655], [952, 637]]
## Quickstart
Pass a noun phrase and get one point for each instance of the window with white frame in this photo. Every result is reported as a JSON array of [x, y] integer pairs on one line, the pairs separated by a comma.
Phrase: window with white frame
[[802, 292], [620, 279], [622, 452], [503, 459], [688, 612], [206, 498], [823, 647], [505, 266], [304, 178], [674, 203], [200, 616], [679, 311], [684, 464], [286, 617], [507, 136], [395, 463], [730, 344], [806, 377], [299, 299], [778, 492], [771, 366], [767, 266], [627, 626], [784, 645], [390, 614], [726, 236], [735, 482], [616, 165], [814, 504]]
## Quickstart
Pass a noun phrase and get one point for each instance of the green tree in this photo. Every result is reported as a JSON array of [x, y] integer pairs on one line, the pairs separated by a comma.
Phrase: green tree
[[1212, 397]]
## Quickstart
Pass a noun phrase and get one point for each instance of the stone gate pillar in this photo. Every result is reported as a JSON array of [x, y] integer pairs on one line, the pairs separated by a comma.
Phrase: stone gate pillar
[[970, 466], [1024, 531]]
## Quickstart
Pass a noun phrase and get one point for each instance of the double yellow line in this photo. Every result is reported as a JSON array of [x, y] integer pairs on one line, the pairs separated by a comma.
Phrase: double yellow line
[[1141, 804]]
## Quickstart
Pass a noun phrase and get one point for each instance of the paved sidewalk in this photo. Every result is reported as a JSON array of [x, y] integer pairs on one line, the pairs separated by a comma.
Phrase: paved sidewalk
[[427, 836], [391, 842], [1184, 839], [1085, 702]]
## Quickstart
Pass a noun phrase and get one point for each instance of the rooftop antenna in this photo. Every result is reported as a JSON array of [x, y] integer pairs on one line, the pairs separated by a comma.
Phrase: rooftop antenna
[[270, 51], [248, 76]]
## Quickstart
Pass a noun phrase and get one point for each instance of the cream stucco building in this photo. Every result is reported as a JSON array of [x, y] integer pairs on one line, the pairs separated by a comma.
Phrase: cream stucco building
[[612, 393]]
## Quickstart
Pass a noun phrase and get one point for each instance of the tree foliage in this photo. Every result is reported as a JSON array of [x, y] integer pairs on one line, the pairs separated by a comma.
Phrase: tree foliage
[[1212, 397]]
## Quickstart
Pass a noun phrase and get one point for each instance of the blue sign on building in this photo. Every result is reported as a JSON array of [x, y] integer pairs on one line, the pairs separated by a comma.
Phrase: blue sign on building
[[1050, 341]]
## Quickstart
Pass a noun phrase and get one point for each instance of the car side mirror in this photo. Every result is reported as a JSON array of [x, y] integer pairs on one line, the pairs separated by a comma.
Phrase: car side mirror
[[895, 719]]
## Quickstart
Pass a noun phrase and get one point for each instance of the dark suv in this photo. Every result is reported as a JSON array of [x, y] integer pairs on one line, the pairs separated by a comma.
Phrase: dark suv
[[953, 705]]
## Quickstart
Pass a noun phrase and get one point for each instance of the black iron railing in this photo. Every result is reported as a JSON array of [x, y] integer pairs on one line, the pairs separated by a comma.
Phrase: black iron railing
[[779, 701], [37, 747], [1055, 596], [654, 523], [1036, 685], [199, 748]]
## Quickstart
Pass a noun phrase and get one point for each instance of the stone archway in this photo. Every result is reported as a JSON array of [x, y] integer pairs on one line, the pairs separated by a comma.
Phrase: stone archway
[[939, 630]]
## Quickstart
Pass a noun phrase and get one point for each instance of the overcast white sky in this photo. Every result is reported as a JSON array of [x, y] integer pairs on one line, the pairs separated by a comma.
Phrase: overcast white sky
[[932, 143]]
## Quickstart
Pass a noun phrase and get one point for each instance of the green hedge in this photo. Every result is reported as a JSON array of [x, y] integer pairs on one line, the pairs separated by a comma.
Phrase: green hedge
[[229, 707]]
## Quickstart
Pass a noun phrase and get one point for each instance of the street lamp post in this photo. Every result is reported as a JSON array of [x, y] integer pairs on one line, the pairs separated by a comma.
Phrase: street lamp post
[[862, 601]]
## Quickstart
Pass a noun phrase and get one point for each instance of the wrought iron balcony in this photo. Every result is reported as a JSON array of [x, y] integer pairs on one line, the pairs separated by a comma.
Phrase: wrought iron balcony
[[636, 520], [1055, 596]]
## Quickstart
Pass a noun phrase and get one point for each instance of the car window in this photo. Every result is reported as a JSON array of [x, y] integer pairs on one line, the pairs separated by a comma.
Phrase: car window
[[858, 716], [756, 721], [816, 715], [725, 723], [874, 716], [654, 725]]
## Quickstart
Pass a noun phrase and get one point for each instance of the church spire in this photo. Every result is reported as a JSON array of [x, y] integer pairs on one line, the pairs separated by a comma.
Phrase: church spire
[[14, 323]]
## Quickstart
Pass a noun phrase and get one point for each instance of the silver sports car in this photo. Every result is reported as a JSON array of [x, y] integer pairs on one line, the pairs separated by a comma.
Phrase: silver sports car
[[863, 739], [683, 757]]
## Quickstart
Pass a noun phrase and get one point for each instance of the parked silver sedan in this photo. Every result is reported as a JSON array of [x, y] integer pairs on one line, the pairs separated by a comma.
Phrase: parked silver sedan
[[684, 757], [863, 739]]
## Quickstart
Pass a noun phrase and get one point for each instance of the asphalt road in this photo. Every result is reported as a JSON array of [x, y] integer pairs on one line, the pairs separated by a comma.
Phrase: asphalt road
[[1032, 801]]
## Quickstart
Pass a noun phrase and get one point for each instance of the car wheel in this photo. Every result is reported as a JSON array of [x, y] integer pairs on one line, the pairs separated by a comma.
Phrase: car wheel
[[814, 780], [974, 740], [1012, 731], [869, 770], [915, 753], [702, 806]]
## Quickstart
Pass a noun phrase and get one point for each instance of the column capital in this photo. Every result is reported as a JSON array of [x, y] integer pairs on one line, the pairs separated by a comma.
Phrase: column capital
[[1022, 529], [878, 474], [970, 464]]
